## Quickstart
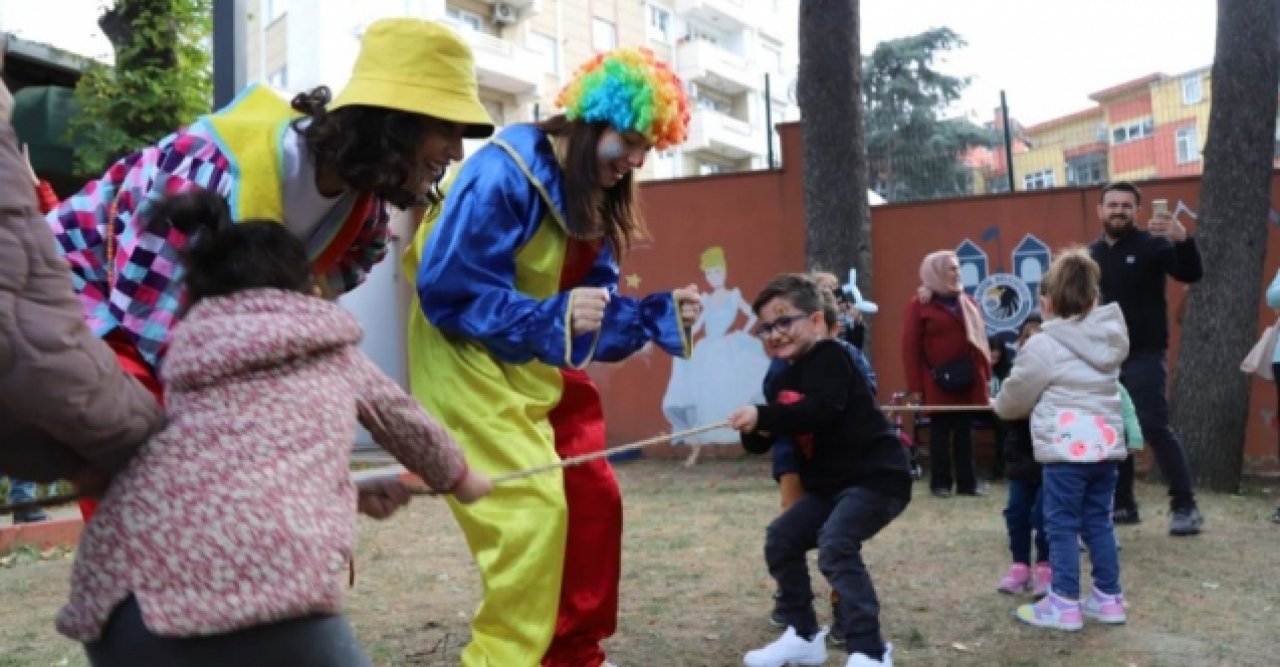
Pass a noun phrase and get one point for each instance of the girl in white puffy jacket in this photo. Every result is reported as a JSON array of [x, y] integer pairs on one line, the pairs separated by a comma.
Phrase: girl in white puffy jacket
[[1067, 380]]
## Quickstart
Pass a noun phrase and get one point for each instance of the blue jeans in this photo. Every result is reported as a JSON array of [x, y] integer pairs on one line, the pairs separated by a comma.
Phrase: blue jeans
[[1023, 513], [1077, 506], [1146, 375], [837, 526]]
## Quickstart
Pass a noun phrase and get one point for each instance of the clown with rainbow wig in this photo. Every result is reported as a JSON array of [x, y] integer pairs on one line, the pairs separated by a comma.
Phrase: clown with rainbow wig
[[516, 276]]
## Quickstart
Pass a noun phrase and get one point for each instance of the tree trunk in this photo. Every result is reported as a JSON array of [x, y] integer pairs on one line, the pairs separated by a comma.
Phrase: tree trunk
[[828, 90], [1210, 395]]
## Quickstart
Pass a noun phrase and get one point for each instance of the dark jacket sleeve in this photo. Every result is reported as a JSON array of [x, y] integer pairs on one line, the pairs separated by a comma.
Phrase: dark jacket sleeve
[[824, 389], [64, 401], [1182, 261]]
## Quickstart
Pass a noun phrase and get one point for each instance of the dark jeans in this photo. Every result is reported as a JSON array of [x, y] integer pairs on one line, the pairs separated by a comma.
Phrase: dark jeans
[[948, 429], [1077, 506], [837, 526], [315, 641], [1145, 375], [1001, 428], [1023, 514]]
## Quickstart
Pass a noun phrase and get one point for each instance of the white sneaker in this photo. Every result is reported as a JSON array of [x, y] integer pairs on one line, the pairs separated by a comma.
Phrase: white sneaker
[[790, 649], [861, 659]]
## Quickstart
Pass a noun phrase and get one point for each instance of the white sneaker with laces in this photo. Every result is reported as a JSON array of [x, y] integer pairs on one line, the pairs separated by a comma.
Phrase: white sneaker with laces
[[790, 649], [861, 659]]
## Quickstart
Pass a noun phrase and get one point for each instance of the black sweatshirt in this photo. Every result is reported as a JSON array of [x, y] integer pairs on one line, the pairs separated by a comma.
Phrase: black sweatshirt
[[841, 438], [1133, 275]]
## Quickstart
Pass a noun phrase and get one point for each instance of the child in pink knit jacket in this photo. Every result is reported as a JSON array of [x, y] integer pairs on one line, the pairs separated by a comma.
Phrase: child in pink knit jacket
[[226, 539]]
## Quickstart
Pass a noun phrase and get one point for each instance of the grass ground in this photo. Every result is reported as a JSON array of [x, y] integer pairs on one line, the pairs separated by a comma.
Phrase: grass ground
[[695, 591]]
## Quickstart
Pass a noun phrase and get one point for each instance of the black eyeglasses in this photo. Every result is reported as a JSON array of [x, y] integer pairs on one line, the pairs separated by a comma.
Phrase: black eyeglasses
[[782, 325]]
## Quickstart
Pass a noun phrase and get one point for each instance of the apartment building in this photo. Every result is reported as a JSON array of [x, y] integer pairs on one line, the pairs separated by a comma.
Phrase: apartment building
[[526, 49], [1151, 127]]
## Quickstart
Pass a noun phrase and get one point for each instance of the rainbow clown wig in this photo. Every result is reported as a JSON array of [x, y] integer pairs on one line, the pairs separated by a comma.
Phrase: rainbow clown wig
[[632, 91]]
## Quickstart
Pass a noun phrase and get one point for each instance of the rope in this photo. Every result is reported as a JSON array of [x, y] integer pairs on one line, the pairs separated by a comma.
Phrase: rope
[[65, 498], [935, 408]]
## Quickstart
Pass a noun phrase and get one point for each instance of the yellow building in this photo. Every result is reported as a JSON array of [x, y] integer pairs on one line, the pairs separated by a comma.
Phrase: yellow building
[[1151, 127]]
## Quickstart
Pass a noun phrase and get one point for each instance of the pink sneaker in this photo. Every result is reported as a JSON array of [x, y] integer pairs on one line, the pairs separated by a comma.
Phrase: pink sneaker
[[1105, 608], [1042, 578], [1052, 612], [1017, 580]]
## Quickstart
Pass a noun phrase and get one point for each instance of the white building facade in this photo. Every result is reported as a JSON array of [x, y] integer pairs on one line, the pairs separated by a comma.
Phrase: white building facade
[[526, 49]]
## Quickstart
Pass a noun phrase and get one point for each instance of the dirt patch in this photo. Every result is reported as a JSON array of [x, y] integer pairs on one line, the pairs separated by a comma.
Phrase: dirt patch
[[695, 591]]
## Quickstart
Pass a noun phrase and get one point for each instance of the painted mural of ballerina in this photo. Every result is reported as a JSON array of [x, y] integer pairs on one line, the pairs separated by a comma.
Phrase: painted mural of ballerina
[[727, 364]]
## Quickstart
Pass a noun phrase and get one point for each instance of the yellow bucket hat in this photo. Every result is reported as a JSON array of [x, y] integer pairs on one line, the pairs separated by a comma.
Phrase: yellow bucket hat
[[420, 67]]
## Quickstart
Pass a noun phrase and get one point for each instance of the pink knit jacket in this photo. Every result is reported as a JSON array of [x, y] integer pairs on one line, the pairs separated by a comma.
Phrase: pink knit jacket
[[242, 510]]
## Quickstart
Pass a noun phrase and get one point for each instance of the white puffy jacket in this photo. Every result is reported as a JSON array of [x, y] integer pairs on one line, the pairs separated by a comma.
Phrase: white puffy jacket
[[1066, 377]]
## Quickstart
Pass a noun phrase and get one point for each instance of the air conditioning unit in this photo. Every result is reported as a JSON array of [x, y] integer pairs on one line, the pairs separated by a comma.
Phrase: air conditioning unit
[[503, 13]]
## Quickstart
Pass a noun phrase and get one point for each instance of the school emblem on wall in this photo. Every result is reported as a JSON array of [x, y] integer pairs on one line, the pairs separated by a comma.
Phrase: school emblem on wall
[[1005, 301]]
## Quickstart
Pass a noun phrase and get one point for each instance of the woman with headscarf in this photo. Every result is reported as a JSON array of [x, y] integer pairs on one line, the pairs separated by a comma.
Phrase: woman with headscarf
[[947, 362], [517, 287]]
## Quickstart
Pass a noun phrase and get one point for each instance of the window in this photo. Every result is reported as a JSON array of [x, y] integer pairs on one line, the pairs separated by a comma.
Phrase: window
[[274, 9], [1192, 92], [772, 59], [704, 99], [604, 35], [659, 24], [1089, 169], [708, 168], [546, 45], [699, 34], [1134, 131], [1038, 180], [279, 79], [1188, 144], [465, 19]]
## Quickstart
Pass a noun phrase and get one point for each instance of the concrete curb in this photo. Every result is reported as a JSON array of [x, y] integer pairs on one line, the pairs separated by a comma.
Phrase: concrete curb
[[42, 534]]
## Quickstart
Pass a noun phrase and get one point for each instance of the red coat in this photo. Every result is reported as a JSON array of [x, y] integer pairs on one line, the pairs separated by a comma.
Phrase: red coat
[[931, 336]]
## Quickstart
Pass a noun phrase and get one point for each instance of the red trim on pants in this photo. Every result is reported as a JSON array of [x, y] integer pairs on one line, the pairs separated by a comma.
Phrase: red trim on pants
[[593, 549], [133, 364]]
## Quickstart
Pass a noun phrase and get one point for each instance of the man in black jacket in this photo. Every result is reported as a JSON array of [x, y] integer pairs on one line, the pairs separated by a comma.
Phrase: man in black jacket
[[1134, 265]]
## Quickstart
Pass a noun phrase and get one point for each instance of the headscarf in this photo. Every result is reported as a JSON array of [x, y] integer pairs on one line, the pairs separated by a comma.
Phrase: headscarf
[[934, 280]]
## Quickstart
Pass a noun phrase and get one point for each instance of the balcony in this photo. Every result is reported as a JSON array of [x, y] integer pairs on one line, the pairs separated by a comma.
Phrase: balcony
[[709, 65], [502, 65], [723, 14], [718, 134]]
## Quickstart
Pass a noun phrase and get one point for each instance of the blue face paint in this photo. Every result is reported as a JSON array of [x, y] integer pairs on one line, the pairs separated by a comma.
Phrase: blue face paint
[[611, 147]]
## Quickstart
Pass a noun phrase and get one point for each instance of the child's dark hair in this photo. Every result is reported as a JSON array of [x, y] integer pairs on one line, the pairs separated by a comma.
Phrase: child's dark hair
[[1072, 283], [223, 257], [801, 290], [1000, 367], [1024, 331]]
